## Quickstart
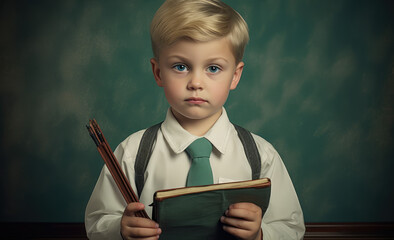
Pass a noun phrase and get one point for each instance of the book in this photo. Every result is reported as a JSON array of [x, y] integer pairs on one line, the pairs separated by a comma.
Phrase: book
[[194, 212]]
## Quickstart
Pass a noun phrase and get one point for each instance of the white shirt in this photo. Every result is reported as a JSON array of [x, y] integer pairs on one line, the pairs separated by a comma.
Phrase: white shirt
[[168, 168]]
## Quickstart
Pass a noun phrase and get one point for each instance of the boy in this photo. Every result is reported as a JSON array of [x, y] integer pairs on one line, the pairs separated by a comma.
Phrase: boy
[[198, 47]]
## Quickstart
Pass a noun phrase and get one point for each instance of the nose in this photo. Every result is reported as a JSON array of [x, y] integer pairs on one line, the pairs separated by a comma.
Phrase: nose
[[195, 81]]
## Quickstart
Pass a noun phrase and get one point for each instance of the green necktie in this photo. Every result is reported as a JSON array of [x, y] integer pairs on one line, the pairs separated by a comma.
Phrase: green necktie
[[200, 172]]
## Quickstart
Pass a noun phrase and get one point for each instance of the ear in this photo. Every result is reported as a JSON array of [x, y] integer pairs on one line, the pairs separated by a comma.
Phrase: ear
[[156, 71], [237, 75]]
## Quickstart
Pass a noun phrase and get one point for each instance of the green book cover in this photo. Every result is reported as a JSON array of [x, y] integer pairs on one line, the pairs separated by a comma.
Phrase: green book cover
[[194, 212]]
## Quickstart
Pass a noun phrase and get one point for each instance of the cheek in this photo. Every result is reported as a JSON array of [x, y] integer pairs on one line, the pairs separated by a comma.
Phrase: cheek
[[221, 93], [172, 91]]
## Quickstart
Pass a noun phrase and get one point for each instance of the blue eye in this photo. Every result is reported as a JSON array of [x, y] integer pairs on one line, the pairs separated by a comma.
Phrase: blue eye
[[213, 69], [180, 67]]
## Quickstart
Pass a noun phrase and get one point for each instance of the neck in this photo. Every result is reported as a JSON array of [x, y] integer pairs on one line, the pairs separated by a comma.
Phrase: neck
[[197, 127]]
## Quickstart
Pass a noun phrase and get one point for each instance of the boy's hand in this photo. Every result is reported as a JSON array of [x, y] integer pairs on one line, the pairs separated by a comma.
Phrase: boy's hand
[[133, 227], [243, 220]]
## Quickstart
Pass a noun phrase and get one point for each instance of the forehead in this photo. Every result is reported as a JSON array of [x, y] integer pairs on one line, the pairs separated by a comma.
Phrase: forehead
[[194, 50]]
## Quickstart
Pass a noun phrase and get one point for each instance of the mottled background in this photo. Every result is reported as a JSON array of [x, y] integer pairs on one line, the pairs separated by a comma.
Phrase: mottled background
[[318, 84]]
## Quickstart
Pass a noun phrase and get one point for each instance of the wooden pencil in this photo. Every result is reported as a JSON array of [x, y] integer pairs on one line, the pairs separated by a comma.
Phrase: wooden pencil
[[113, 165]]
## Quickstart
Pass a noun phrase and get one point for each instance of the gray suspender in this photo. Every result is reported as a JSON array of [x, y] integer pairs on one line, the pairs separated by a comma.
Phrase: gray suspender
[[149, 137], [251, 151], [143, 155]]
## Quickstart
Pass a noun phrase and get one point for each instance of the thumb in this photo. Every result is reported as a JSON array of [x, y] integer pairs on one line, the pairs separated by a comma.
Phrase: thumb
[[132, 208]]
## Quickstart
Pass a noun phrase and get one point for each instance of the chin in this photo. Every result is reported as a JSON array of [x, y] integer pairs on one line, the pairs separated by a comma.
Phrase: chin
[[196, 113], [200, 115]]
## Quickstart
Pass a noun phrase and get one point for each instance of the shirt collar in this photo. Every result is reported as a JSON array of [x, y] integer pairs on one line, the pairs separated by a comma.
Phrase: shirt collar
[[179, 139]]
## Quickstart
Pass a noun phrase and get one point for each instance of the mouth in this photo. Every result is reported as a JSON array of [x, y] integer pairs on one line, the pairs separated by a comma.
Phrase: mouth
[[195, 100]]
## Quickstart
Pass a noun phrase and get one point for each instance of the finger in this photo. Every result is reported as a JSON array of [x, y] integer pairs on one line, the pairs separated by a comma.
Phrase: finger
[[238, 232], [132, 208], [245, 205], [139, 222], [237, 223], [244, 214], [142, 232], [128, 237], [136, 227]]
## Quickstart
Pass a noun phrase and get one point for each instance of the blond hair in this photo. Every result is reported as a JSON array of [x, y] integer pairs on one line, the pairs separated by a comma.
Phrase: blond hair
[[198, 20]]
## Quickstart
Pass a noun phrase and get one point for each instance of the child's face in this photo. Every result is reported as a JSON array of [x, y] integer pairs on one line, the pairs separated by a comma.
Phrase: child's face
[[197, 77]]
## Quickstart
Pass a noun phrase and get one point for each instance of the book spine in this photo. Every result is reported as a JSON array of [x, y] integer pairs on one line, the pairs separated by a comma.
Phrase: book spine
[[155, 205]]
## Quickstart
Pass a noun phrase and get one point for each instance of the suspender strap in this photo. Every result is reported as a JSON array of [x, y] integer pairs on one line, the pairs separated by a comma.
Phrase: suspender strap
[[143, 156], [251, 151], [149, 137]]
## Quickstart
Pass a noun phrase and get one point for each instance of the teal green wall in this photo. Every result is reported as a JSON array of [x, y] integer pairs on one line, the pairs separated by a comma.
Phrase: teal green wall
[[318, 84]]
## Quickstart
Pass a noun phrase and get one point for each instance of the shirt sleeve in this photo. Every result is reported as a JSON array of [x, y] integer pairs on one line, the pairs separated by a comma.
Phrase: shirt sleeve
[[106, 204], [284, 218]]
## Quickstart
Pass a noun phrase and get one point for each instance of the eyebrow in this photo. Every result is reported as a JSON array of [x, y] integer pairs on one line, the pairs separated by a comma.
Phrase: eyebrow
[[184, 59]]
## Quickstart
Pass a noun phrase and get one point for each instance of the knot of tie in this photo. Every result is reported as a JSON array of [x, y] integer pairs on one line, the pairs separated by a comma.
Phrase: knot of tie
[[200, 148], [200, 172]]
